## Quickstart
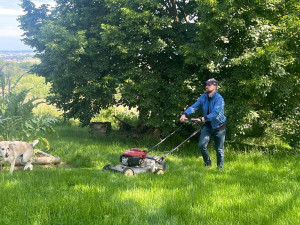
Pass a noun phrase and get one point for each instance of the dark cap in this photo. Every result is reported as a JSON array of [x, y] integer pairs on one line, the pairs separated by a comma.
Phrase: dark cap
[[211, 81]]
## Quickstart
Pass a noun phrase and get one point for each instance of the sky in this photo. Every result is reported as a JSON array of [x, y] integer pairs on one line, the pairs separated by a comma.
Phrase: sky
[[10, 33]]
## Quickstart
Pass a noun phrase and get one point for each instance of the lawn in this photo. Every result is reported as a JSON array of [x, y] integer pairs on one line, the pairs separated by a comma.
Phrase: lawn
[[253, 188]]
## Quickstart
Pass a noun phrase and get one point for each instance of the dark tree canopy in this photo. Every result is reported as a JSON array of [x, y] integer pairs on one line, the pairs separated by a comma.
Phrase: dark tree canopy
[[157, 53]]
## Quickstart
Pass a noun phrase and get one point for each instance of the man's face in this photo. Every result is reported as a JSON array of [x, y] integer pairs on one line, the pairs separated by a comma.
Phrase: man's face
[[210, 88]]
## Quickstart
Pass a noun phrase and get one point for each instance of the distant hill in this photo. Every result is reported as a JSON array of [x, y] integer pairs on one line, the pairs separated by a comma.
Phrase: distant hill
[[16, 51], [18, 55]]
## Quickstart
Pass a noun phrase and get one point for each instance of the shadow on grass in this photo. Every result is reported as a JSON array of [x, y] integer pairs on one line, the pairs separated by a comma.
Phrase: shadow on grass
[[280, 211]]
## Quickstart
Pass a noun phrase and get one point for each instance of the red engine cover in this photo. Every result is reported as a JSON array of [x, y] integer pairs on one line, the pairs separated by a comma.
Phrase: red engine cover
[[135, 152]]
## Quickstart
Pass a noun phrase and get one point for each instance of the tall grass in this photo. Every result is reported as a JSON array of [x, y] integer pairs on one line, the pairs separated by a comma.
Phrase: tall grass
[[253, 188]]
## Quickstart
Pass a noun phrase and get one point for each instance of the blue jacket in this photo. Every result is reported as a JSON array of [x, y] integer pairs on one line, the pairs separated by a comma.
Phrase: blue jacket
[[216, 109]]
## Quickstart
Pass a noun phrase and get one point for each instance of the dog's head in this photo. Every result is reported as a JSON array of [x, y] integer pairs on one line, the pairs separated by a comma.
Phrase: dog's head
[[5, 149]]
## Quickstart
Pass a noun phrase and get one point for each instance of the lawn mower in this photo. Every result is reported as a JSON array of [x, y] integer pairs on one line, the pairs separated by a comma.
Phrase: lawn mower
[[136, 160]]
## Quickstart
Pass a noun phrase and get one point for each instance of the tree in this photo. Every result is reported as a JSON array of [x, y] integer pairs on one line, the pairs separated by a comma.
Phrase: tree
[[73, 59], [87, 50], [157, 53], [253, 49]]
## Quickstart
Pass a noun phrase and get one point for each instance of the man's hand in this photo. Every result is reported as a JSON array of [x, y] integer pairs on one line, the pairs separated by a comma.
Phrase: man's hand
[[183, 118], [198, 119]]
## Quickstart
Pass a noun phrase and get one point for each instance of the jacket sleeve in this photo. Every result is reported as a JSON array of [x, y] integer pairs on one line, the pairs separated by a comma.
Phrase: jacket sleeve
[[194, 107], [218, 108]]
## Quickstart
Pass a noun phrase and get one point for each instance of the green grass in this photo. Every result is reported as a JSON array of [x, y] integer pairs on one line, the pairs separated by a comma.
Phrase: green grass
[[253, 188]]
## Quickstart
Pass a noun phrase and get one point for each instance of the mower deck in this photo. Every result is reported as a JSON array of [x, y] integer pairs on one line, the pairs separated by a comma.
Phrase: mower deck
[[151, 163]]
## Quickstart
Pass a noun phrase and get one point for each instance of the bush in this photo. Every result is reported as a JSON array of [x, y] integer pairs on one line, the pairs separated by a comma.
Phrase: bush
[[127, 115], [18, 122]]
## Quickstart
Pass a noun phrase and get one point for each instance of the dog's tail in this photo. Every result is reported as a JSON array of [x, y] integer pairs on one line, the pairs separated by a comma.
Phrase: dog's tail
[[35, 142]]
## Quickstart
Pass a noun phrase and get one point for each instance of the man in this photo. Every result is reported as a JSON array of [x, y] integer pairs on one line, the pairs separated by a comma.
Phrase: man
[[212, 104]]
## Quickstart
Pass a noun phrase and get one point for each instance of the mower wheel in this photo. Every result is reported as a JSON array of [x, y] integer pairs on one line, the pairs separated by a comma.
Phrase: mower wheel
[[164, 166], [106, 167], [128, 172], [159, 171]]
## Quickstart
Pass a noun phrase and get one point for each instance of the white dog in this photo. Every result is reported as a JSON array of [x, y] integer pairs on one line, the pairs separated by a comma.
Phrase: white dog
[[10, 150]]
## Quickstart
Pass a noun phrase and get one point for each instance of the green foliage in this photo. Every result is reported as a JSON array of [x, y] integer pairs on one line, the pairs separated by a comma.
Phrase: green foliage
[[36, 85], [38, 90], [17, 120], [10, 75], [157, 54], [123, 113], [80, 77], [14, 114]]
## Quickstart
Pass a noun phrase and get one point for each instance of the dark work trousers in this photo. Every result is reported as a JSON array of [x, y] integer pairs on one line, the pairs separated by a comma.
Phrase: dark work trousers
[[219, 138]]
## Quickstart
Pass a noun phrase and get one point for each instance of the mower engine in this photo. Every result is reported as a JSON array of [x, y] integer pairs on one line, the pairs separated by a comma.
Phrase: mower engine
[[133, 157]]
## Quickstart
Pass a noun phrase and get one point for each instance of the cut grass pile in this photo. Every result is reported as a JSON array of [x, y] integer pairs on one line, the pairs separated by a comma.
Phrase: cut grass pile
[[253, 188]]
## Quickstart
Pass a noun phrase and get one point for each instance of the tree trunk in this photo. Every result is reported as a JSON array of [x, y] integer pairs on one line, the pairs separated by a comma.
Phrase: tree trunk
[[174, 10]]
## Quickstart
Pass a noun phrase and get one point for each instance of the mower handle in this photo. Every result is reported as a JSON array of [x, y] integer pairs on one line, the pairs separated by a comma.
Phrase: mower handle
[[177, 147], [192, 121], [187, 120]]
